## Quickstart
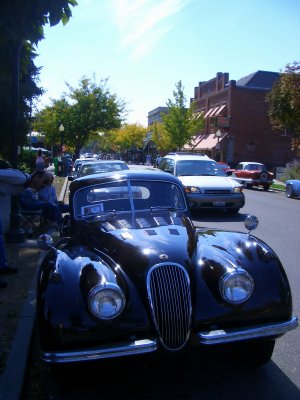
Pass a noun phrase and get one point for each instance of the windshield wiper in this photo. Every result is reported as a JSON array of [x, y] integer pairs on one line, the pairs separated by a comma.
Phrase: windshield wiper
[[164, 208]]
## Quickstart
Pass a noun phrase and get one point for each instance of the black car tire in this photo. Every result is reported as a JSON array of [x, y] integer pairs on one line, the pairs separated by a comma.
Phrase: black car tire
[[266, 187], [248, 186], [256, 353], [289, 191]]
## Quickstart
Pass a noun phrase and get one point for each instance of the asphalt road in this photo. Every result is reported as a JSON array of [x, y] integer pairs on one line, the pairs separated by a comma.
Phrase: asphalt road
[[210, 376]]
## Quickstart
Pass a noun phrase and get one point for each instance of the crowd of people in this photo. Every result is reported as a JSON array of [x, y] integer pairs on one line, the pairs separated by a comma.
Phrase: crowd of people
[[36, 192]]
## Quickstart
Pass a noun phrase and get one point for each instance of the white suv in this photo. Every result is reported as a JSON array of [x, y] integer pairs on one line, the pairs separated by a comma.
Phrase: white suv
[[206, 185]]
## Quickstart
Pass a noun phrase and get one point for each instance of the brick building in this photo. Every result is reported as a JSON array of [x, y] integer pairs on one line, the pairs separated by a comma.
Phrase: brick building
[[238, 112]]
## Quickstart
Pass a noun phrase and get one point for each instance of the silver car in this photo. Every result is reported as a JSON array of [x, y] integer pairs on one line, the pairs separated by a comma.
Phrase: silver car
[[98, 167], [206, 185]]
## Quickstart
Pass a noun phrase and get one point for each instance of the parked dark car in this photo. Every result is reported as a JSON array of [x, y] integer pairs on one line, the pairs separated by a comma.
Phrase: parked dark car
[[132, 275]]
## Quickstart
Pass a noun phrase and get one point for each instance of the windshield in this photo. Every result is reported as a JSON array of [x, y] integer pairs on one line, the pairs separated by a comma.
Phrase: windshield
[[199, 167], [124, 197]]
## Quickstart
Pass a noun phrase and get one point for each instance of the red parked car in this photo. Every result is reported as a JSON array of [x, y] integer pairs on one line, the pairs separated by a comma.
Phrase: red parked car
[[252, 174]]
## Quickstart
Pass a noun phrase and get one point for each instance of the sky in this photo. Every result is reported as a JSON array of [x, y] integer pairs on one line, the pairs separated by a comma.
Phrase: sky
[[145, 47]]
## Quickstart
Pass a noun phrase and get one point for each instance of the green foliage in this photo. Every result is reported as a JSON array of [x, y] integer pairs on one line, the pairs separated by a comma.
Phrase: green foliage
[[22, 27], [161, 137], [284, 100], [84, 112], [292, 173], [129, 135], [26, 161], [25, 20], [28, 90], [180, 123]]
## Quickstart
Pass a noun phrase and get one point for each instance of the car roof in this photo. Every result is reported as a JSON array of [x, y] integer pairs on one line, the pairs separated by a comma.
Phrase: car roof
[[85, 159], [105, 162], [179, 156], [106, 177], [250, 162]]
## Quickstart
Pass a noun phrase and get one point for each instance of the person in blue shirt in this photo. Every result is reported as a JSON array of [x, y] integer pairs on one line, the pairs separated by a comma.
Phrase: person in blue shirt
[[13, 182], [30, 200], [48, 194]]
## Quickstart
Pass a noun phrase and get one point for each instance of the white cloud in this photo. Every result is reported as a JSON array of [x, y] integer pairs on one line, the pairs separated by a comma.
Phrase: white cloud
[[143, 22]]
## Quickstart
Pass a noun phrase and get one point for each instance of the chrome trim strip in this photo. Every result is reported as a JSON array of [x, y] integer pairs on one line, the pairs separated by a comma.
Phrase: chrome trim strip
[[222, 336], [119, 350]]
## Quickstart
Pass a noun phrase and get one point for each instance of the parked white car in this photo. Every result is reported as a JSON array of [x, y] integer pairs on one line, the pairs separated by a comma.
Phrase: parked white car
[[206, 185]]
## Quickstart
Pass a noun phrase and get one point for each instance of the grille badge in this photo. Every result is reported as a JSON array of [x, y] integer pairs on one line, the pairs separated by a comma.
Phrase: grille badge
[[163, 256]]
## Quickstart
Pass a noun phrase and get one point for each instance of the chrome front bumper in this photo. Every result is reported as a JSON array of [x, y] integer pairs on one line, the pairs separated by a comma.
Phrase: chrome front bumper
[[147, 345], [228, 336]]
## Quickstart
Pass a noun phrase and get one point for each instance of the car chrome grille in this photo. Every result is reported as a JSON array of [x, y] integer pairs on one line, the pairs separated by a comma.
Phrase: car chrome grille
[[217, 191], [168, 288]]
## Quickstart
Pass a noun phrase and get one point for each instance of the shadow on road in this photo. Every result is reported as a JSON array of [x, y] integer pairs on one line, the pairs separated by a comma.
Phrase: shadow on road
[[213, 376]]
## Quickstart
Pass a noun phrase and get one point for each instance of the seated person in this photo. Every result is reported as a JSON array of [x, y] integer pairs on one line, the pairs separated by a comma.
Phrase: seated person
[[29, 200], [48, 194]]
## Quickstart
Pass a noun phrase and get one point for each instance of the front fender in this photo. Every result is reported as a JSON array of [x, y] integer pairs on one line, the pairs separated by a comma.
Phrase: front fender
[[219, 251], [64, 282]]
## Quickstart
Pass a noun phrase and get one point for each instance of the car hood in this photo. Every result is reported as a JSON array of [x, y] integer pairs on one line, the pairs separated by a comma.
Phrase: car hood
[[208, 181], [142, 247]]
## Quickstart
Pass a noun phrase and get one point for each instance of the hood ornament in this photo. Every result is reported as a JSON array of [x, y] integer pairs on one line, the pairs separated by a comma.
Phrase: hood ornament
[[163, 256]]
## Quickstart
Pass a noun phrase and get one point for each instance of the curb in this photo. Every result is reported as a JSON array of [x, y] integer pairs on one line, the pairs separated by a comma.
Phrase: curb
[[63, 190]]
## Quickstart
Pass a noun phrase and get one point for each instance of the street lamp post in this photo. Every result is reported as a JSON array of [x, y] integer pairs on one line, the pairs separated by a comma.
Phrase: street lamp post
[[62, 164], [61, 130], [218, 134]]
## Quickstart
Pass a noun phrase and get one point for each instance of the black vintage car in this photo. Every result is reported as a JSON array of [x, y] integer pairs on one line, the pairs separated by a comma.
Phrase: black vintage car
[[132, 275]]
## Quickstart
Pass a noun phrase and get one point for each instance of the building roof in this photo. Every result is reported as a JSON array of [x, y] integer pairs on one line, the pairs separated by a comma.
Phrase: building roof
[[259, 79]]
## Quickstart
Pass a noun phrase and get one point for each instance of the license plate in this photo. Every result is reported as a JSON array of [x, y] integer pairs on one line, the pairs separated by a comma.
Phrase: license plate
[[218, 203]]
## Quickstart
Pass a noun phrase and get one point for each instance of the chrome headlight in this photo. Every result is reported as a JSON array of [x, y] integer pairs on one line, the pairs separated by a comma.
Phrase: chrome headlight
[[106, 302], [236, 287]]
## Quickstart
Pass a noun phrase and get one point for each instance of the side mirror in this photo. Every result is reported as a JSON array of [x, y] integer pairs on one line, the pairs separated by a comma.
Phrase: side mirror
[[45, 241], [251, 223]]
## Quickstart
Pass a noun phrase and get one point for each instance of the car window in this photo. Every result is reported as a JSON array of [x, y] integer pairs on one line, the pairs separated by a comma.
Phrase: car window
[[168, 165], [255, 167], [120, 197]]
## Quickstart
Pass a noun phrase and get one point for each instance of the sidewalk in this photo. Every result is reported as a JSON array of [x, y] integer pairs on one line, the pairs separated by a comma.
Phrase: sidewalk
[[12, 379]]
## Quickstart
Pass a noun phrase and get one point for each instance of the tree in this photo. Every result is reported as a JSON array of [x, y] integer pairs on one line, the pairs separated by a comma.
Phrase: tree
[[160, 137], [28, 90], [84, 112], [180, 123], [21, 27], [284, 100], [129, 136]]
